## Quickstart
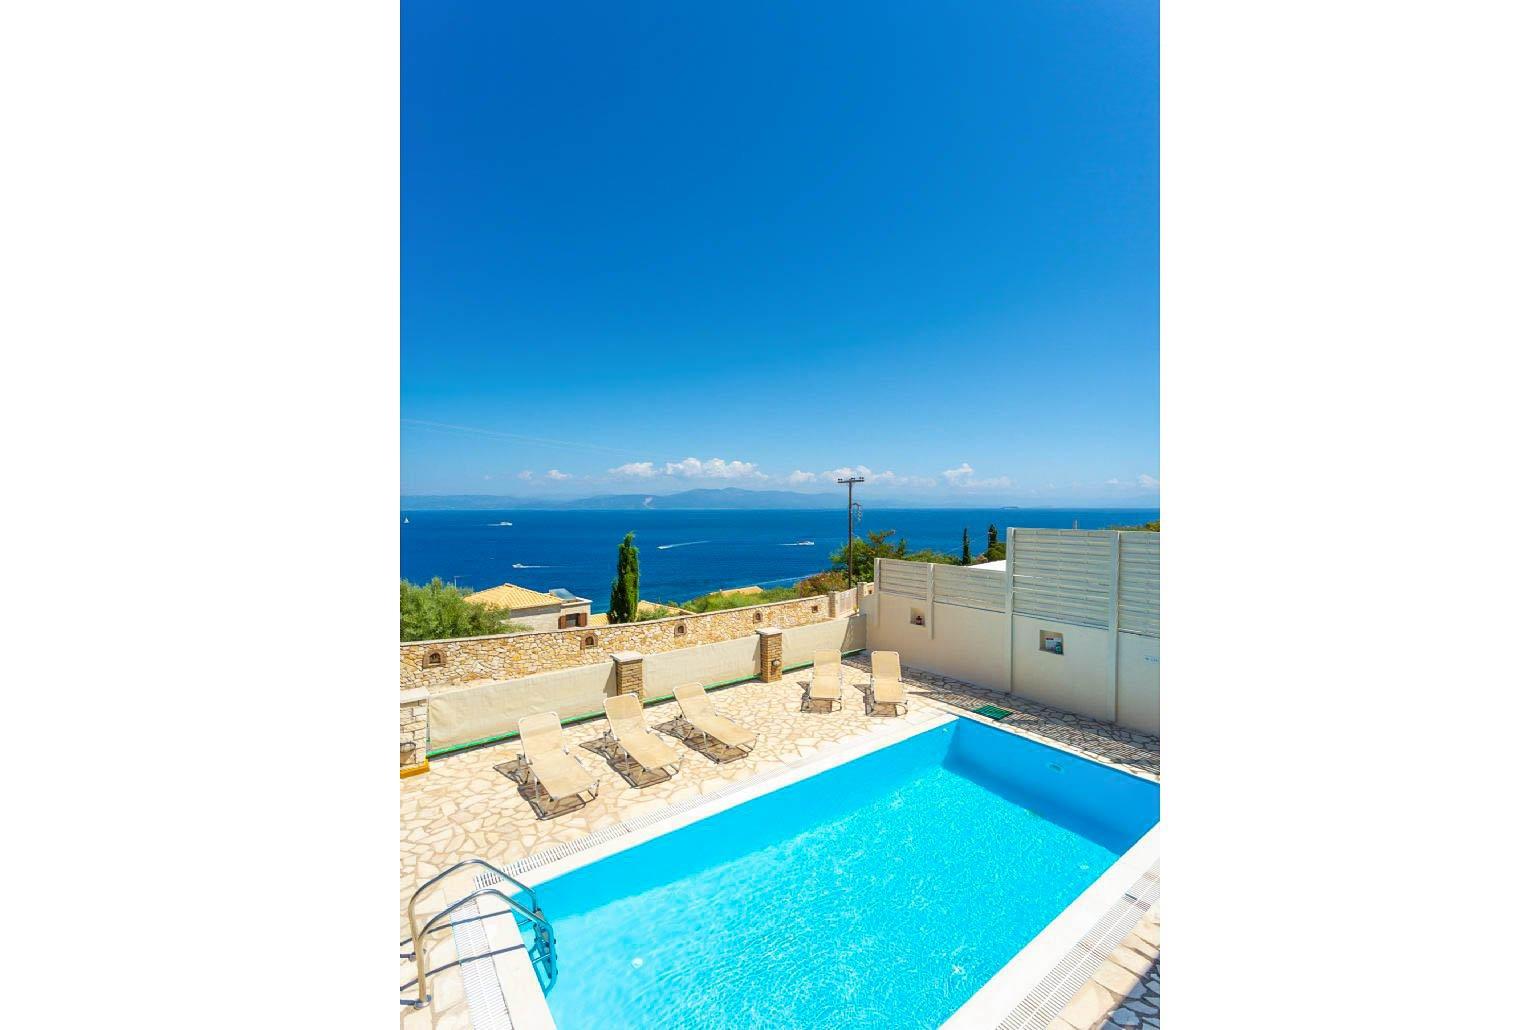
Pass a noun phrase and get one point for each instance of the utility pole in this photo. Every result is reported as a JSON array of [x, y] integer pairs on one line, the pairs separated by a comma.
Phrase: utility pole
[[850, 528]]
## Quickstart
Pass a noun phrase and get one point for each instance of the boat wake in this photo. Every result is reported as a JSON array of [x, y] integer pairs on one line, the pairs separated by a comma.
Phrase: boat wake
[[687, 543], [799, 543], [521, 565], [499, 523], [784, 579]]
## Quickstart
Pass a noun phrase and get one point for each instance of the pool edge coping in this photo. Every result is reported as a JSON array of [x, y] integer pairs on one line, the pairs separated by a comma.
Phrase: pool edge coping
[[1001, 1001], [1066, 953]]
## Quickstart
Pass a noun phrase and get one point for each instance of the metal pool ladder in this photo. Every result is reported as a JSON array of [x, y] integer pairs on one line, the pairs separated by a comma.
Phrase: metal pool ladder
[[542, 953]]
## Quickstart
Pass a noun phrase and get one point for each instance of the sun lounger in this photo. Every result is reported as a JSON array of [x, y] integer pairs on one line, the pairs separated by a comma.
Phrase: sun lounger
[[557, 775], [703, 725], [888, 682], [644, 750], [828, 679]]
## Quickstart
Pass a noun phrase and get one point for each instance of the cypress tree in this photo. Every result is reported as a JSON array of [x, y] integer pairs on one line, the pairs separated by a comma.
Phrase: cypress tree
[[627, 576], [994, 537], [967, 555]]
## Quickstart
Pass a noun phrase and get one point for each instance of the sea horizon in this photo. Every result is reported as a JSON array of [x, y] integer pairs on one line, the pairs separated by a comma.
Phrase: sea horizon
[[689, 552]]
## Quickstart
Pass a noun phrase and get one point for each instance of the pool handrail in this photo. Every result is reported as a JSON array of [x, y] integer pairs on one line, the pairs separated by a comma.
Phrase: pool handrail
[[545, 935]]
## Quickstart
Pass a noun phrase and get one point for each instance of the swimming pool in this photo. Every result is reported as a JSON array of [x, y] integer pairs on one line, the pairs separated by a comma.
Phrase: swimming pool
[[882, 892]]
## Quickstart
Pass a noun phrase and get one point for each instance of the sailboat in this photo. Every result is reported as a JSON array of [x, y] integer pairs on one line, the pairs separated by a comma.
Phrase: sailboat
[[406, 522]]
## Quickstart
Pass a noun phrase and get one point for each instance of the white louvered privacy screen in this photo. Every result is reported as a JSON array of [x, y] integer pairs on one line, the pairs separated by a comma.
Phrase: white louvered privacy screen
[[1059, 575], [912, 579], [971, 588], [1139, 584], [1064, 575]]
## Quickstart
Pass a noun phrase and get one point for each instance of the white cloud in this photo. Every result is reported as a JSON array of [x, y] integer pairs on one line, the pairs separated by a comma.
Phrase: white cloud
[[891, 478], [557, 474], [635, 470], [886, 478], [958, 475], [963, 478], [834, 475], [1143, 481], [526, 475], [713, 468]]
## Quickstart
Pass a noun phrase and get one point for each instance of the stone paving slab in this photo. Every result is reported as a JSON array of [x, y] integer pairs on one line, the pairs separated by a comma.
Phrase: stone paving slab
[[1117, 746], [463, 808]]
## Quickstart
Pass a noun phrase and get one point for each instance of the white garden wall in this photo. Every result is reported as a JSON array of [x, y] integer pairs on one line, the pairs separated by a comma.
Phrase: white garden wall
[[1097, 591]]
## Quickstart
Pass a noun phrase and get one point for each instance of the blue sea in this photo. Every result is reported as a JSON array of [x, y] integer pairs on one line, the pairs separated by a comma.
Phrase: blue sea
[[687, 553]]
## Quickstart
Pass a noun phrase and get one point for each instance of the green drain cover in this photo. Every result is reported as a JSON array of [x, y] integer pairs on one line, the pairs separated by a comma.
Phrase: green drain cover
[[992, 711]]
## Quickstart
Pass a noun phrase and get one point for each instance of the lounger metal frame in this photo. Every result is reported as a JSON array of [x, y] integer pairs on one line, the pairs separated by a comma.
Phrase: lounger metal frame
[[624, 764], [835, 704], [701, 741], [524, 776], [872, 704]]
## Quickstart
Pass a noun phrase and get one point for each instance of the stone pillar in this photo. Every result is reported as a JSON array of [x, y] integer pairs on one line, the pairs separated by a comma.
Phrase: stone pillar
[[628, 674], [834, 603], [770, 654], [414, 731]]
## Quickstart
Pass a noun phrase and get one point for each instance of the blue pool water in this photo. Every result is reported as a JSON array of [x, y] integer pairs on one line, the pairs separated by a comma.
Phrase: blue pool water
[[883, 892]]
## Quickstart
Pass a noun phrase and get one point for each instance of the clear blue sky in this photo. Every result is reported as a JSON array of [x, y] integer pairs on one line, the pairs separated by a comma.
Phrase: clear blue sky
[[657, 246]]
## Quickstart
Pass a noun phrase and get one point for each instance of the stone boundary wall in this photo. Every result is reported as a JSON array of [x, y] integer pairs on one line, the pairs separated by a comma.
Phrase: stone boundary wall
[[439, 664]]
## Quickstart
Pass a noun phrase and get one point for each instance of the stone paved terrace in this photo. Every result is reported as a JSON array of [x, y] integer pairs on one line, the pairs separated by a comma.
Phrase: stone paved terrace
[[464, 808]]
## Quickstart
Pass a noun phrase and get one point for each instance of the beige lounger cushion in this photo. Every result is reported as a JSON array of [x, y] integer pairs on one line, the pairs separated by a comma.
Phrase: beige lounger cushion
[[558, 772], [729, 733], [887, 680], [826, 676], [627, 726], [699, 712], [825, 688], [540, 734], [560, 775]]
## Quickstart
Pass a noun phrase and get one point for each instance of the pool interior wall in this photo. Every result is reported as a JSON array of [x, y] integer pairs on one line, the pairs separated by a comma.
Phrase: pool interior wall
[[882, 892]]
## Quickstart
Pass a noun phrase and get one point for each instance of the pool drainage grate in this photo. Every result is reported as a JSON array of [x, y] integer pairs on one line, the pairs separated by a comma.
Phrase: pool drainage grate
[[1036, 1011]]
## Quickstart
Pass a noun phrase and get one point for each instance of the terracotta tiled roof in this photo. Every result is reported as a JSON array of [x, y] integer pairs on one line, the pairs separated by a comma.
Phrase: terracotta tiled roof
[[513, 598]]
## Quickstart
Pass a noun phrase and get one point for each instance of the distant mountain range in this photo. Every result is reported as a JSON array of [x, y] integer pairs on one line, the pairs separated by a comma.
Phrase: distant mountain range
[[727, 498]]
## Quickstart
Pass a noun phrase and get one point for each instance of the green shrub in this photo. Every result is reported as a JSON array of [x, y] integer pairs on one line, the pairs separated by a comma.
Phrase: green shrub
[[722, 602], [821, 583], [439, 611]]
